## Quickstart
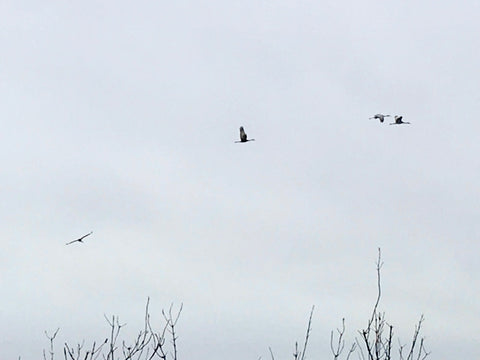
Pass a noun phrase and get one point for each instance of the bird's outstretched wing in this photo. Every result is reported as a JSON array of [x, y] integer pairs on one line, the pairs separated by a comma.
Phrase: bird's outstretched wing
[[80, 239]]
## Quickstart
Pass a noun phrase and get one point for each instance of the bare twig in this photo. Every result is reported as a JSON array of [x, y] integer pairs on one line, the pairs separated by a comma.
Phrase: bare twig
[[51, 339], [379, 265], [296, 354], [337, 349], [307, 335], [422, 353], [171, 323], [271, 353]]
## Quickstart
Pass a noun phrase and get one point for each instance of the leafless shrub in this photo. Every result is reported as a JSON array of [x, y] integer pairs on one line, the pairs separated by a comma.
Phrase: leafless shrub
[[375, 341], [147, 345]]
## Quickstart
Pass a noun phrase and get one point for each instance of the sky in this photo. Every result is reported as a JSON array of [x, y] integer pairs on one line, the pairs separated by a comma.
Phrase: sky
[[120, 118]]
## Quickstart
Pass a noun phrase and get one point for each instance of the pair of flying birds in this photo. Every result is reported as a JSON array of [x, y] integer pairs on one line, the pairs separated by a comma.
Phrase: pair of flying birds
[[398, 119]]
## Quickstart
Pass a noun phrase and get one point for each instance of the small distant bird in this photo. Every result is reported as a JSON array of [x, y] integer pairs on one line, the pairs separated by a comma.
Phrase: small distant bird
[[243, 136], [399, 121], [80, 239], [380, 117]]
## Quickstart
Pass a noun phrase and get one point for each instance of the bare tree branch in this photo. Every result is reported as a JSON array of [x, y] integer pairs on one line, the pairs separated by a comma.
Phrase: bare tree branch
[[307, 335], [271, 353], [375, 341], [51, 339]]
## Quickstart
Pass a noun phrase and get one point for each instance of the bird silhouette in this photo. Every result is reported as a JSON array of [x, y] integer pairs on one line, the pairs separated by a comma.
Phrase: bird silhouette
[[80, 239], [399, 121], [243, 136], [380, 117]]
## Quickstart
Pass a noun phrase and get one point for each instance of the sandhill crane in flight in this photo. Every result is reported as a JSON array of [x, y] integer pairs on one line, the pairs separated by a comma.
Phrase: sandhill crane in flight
[[399, 121], [80, 239], [243, 136], [380, 117]]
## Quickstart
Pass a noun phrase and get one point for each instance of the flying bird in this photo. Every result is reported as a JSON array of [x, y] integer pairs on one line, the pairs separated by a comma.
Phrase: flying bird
[[399, 121], [243, 136], [80, 239], [380, 117]]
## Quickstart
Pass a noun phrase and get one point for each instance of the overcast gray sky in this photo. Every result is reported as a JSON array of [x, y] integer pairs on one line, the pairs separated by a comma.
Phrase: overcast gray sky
[[120, 117]]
